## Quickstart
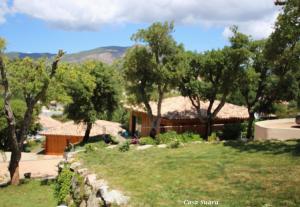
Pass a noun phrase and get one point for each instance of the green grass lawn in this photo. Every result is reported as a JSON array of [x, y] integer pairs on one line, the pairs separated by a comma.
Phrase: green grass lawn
[[29, 194], [235, 174]]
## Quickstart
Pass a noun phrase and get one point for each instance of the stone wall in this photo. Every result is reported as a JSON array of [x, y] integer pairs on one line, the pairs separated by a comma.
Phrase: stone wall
[[87, 190]]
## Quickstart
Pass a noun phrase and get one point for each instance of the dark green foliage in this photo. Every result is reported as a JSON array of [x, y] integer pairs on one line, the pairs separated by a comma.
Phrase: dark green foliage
[[153, 69], [232, 131], [79, 193], [288, 110], [63, 185], [147, 140], [214, 75], [94, 90], [19, 108], [121, 115], [124, 147]]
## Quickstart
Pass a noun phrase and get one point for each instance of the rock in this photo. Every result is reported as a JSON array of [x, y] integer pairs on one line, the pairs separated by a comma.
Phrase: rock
[[90, 179], [162, 146], [75, 165], [82, 204], [115, 196], [82, 171], [4, 179], [197, 142], [93, 201], [99, 184], [144, 147], [111, 146]]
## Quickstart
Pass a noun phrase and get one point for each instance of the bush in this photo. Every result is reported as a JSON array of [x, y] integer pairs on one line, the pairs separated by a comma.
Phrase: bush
[[134, 141], [30, 145], [63, 185], [170, 136], [213, 137], [147, 140], [89, 148], [167, 137], [110, 139], [174, 144], [190, 137], [232, 131], [124, 147]]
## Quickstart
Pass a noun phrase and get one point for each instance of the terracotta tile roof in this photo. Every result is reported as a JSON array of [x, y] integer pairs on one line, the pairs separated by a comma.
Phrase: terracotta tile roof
[[180, 107], [72, 129], [48, 122]]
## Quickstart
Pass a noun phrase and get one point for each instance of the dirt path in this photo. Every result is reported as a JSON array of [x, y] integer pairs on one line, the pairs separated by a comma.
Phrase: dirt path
[[38, 165]]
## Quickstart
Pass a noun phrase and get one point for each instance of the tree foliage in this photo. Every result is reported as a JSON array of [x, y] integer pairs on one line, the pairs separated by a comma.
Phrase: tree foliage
[[94, 90], [152, 69], [213, 75], [30, 80]]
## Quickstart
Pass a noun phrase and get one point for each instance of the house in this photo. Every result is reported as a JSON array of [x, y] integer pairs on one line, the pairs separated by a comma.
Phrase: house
[[178, 114], [58, 136]]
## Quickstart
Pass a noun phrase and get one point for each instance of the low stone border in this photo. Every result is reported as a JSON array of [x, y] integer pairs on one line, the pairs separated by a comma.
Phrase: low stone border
[[96, 190]]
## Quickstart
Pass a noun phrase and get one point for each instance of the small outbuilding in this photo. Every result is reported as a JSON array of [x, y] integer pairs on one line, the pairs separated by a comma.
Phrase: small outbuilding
[[58, 136], [178, 114]]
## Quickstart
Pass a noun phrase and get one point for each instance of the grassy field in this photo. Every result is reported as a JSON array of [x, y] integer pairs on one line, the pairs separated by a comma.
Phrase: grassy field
[[234, 174], [29, 194]]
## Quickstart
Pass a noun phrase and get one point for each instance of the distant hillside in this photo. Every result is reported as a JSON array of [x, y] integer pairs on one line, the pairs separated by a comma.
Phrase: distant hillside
[[104, 54], [32, 55]]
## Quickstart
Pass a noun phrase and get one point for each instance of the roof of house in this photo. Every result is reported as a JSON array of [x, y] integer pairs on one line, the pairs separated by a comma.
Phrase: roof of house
[[48, 122], [73, 129], [180, 107]]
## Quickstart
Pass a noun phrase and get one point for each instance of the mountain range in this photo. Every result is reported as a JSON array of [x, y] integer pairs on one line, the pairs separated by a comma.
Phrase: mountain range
[[105, 54]]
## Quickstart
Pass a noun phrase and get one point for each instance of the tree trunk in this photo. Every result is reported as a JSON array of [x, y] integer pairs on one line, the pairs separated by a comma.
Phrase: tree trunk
[[14, 167], [86, 137], [250, 124], [208, 127], [156, 121], [11, 121]]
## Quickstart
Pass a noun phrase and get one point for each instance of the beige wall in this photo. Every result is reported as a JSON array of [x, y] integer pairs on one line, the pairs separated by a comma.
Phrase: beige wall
[[279, 129]]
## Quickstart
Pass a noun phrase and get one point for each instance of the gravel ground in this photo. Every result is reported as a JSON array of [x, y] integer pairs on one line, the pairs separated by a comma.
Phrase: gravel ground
[[40, 166]]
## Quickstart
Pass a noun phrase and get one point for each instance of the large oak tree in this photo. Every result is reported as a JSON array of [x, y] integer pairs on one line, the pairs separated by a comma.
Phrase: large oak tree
[[31, 79]]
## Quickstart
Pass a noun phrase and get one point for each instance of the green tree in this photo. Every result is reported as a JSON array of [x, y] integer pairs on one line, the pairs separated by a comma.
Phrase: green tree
[[214, 75], [283, 50], [31, 79], [95, 93], [19, 108], [152, 69]]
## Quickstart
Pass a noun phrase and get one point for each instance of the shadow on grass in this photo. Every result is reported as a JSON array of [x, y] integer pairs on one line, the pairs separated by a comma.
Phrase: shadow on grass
[[48, 181], [268, 147]]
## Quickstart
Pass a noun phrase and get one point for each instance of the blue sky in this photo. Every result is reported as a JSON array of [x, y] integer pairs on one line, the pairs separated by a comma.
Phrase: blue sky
[[49, 25]]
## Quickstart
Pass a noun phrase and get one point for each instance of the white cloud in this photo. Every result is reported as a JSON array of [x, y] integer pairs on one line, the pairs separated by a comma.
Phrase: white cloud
[[3, 10], [253, 16]]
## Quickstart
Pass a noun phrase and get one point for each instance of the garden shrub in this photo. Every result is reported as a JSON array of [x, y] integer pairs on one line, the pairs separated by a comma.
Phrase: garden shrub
[[190, 137], [174, 144], [63, 185], [109, 139], [213, 137], [124, 147], [134, 141], [170, 136], [89, 148], [79, 194], [167, 137], [30, 145], [147, 140], [232, 131]]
